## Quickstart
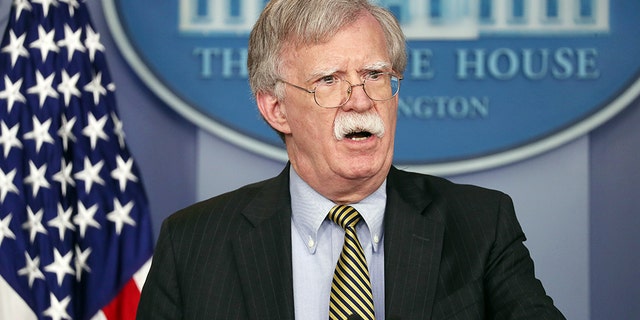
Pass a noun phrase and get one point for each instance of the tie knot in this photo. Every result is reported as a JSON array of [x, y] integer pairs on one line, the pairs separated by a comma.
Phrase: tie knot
[[345, 216]]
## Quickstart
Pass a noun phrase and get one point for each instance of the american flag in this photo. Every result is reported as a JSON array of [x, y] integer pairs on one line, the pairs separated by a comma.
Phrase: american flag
[[75, 229]]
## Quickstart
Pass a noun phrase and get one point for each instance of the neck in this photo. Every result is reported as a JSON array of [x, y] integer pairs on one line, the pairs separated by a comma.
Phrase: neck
[[341, 190]]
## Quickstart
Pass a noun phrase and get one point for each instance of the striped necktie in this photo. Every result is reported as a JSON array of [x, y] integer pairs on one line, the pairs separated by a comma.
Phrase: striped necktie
[[351, 287]]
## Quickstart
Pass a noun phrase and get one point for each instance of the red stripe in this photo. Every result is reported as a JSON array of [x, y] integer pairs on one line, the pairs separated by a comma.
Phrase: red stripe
[[125, 304]]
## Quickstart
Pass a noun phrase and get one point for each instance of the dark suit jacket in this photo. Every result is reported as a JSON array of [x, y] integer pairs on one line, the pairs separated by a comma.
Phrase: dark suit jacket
[[451, 252]]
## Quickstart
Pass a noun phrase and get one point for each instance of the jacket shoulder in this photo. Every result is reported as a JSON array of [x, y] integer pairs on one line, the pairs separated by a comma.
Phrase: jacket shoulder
[[227, 208], [441, 189]]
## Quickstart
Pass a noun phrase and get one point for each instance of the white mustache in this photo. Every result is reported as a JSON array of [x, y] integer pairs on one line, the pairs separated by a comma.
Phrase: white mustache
[[350, 122]]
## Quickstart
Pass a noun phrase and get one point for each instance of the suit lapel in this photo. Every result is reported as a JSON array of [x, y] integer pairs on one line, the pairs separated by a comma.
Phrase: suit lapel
[[413, 245], [263, 255]]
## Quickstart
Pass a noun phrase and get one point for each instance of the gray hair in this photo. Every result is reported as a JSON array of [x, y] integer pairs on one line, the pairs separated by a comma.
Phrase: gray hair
[[308, 22]]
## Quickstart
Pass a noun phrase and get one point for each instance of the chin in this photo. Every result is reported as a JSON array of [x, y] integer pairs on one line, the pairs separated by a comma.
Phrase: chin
[[358, 169]]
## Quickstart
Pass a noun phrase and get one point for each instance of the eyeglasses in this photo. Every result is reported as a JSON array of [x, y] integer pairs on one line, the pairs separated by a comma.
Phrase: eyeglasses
[[333, 92]]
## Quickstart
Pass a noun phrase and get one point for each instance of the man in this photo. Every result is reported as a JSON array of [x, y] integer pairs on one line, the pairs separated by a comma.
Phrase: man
[[325, 75]]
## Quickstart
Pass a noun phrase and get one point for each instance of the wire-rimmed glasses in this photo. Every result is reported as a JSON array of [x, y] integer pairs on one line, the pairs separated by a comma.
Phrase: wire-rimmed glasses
[[332, 91]]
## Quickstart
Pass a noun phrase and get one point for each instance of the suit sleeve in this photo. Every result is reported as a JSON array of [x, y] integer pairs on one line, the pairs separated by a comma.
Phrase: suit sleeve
[[513, 292], [160, 297]]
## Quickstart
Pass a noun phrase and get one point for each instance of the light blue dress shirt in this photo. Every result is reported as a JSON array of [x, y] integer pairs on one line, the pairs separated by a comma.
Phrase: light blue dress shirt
[[317, 243]]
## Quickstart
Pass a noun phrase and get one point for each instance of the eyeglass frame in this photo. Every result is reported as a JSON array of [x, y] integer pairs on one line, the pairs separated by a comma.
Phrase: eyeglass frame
[[349, 91]]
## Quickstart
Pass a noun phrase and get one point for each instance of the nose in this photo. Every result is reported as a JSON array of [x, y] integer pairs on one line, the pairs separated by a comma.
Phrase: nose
[[358, 99]]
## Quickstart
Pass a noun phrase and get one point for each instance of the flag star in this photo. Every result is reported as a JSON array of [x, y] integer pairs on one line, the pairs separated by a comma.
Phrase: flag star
[[45, 42], [118, 129], [95, 130], [31, 269], [81, 262], [72, 4], [40, 133], [21, 5], [43, 87], [34, 223], [5, 231], [46, 4], [121, 215], [69, 86], [16, 47], [85, 218], [62, 221], [61, 266], [90, 174], [96, 88], [93, 43], [71, 40], [123, 172], [37, 178], [58, 309], [66, 131], [6, 184], [9, 137], [11, 92], [64, 177]]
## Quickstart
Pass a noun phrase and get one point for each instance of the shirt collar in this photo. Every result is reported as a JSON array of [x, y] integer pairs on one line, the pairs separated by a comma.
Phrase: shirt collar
[[309, 210]]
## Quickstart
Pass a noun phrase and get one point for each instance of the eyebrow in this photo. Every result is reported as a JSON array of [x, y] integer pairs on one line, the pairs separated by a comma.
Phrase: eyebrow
[[380, 65], [321, 73], [377, 66]]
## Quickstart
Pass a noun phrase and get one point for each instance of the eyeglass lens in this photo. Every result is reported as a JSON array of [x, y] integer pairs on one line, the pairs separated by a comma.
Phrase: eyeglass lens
[[378, 87]]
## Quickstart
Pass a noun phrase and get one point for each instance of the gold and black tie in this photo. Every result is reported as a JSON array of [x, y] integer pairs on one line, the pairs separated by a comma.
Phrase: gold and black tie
[[351, 287]]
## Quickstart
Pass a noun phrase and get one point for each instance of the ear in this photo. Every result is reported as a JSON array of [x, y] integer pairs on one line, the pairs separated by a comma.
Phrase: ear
[[272, 111]]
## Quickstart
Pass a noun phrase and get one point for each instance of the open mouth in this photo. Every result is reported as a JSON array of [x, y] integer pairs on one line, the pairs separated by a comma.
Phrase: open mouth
[[358, 135]]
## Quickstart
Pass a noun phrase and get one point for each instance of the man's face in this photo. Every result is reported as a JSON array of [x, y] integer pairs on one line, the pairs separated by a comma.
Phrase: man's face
[[316, 154]]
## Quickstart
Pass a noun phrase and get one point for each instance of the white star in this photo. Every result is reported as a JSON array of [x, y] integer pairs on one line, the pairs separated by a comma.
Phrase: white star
[[68, 86], [43, 87], [6, 184], [46, 4], [66, 131], [85, 219], [58, 309], [81, 262], [61, 266], [72, 4], [45, 42], [90, 174], [62, 221], [64, 177], [71, 41], [21, 5], [16, 47], [93, 43], [121, 215], [5, 231], [11, 92], [9, 137], [40, 133], [34, 223], [31, 269], [118, 129], [37, 178], [123, 172], [95, 129], [96, 88]]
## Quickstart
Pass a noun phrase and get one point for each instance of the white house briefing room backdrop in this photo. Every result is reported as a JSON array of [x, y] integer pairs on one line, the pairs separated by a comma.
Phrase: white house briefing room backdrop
[[537, 98]]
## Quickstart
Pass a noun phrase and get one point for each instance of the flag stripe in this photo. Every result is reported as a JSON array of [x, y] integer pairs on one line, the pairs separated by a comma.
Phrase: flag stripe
[[12, 306], [125, 304]]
